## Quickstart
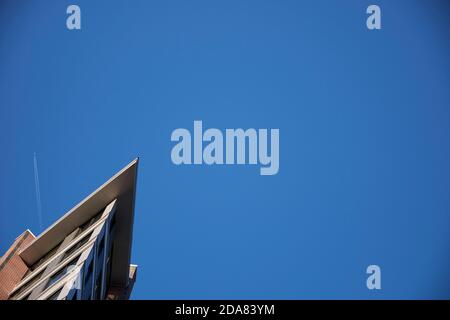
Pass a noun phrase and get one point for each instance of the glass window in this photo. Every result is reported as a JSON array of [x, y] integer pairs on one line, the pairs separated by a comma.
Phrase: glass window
[[100, 254], [55, 295], [87, 288], [78, 245], [90, 222], [108, 269], [101, 245], [45, 258], [89, 271], [98, 289], [61, 273], [112, 222]]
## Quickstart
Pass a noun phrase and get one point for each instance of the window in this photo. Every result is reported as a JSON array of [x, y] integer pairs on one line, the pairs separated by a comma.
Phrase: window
[[55, 295], [108, 268], [78, 245], [61, 273], [53, 251], [101, 253], [98, 287], [101, 245], [112, 223], [45, 258], [89, 271], [91, 221], [88, 282]]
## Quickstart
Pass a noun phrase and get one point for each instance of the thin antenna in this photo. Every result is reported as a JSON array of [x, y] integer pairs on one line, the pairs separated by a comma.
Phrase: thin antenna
[[38, 192]]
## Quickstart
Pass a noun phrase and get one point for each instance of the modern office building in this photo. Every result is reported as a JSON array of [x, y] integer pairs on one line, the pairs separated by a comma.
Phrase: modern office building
[[84, 255]]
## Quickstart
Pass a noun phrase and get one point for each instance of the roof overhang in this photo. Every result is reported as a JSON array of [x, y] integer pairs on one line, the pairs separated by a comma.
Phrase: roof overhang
[[122, 186]]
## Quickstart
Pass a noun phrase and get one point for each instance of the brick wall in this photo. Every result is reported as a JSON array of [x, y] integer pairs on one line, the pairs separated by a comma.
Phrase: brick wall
[[12, 267]]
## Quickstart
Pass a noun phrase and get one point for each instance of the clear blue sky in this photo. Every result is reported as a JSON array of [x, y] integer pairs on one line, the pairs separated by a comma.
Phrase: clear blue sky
[[364, 119]]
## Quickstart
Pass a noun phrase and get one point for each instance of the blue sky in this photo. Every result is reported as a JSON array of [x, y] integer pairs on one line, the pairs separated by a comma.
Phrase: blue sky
[[364, 125]]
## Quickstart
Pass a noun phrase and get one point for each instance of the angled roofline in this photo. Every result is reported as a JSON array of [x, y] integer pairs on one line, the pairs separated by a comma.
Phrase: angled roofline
[[121, 186]]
